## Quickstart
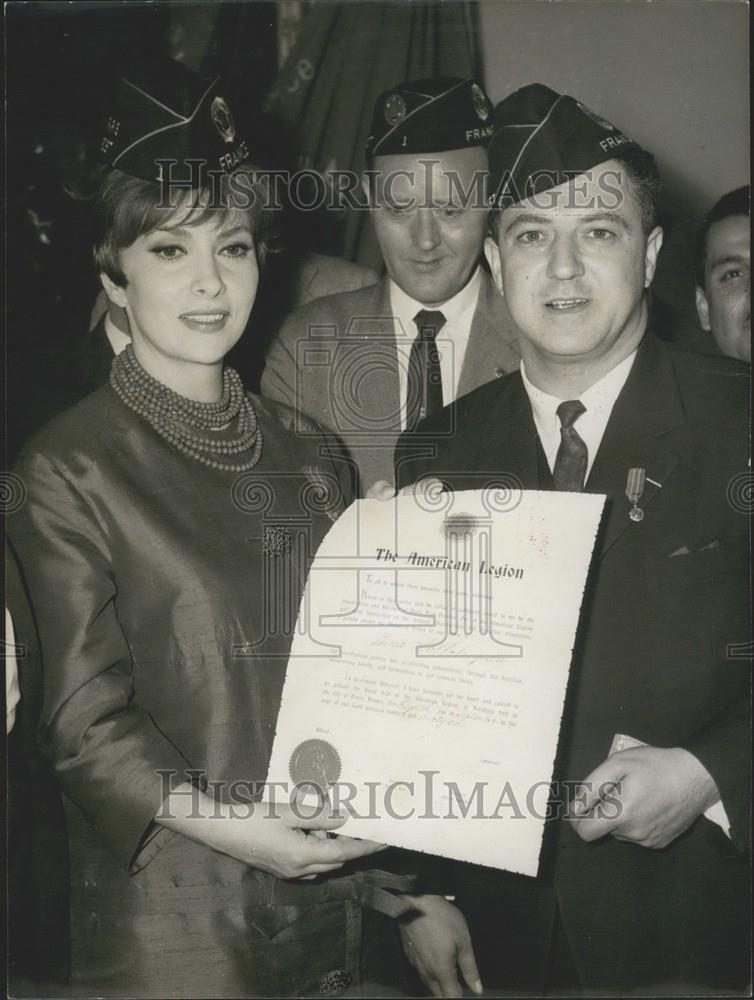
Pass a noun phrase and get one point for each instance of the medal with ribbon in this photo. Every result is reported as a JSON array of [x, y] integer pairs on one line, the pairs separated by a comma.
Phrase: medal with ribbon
[[634, 491]]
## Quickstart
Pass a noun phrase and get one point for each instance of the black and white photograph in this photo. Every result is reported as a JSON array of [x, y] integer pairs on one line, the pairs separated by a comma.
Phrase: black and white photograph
[[377, 497]]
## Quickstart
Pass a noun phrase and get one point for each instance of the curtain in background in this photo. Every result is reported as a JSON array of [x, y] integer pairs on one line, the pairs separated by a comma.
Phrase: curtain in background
[[344, 56], [290, 14]]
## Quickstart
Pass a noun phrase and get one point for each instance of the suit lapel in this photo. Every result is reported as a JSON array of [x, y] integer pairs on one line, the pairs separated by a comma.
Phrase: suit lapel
[[308, 273], [492, 349], [647, 409], [368, 361], [512, 450]]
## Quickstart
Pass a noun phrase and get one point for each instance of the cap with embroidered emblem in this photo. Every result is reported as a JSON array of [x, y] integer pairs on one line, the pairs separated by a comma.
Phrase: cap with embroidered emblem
[[430, 116], [542, 139], [162, 111]]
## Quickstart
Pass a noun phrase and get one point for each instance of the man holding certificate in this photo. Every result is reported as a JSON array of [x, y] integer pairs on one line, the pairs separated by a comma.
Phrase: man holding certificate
[[650, 895]]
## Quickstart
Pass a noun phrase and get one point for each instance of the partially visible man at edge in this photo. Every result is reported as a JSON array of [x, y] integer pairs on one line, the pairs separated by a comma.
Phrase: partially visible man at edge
[[651, 898], [723, 274], [371, 363]]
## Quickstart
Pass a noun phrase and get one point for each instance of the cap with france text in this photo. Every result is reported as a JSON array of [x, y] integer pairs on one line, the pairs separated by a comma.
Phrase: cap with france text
[[430, 116], [163, 111], [542, 139]]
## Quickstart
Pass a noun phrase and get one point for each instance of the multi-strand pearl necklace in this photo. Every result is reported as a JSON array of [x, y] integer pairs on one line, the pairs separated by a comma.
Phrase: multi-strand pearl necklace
[[176, 418]]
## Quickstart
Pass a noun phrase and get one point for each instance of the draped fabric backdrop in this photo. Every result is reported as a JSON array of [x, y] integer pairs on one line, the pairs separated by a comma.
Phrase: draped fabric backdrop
[[344, 56]]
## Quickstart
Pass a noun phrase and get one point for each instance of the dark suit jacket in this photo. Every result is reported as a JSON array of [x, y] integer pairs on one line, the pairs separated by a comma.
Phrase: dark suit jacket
[[336, 361], [666, 598]]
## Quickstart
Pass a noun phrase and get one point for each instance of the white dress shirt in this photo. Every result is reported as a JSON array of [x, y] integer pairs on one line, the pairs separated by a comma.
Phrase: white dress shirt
[[452, 339], [599, 400]]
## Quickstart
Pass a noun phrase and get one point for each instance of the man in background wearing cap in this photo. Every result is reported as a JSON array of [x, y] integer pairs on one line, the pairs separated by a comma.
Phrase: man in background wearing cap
[[370, 363], [723, 274], [646, 893]]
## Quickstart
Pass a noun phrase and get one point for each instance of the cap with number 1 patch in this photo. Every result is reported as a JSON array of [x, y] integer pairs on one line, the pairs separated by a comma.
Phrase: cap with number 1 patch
[[430, 116]]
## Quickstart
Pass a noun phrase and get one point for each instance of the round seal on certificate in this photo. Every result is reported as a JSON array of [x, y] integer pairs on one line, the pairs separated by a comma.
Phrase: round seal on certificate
[[315, 762]]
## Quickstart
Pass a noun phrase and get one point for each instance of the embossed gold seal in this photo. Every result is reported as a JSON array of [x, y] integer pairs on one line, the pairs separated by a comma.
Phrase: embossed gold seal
[[315, 762]]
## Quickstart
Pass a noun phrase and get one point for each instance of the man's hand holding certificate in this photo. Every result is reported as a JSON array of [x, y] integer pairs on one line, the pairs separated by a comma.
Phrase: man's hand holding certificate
[[428, 673]]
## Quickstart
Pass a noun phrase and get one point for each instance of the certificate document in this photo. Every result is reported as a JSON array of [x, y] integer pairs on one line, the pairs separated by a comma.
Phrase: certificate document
[[428, 672]]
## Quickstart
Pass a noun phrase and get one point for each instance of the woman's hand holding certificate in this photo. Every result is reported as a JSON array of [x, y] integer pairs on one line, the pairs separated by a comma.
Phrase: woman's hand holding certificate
[[275, 839]]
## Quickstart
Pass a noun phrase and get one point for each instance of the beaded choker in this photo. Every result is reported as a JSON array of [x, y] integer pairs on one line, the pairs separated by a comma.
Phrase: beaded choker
[[177, 419]]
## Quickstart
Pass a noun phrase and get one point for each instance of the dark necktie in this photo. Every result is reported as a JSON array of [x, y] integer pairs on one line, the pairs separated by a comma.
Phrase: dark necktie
[[573, 456], [424, 395]]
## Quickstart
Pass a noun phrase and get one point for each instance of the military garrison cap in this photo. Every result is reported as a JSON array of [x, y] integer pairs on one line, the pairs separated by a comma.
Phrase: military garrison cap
[[542, 139], [163, 111], [430, 116]]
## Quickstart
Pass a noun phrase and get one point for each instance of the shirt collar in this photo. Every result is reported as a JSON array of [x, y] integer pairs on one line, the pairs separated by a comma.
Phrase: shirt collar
[[599, 398], [462, 303]]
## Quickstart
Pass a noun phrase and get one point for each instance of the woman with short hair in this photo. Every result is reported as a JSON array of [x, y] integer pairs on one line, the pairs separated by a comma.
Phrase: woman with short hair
[[169, 524]]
